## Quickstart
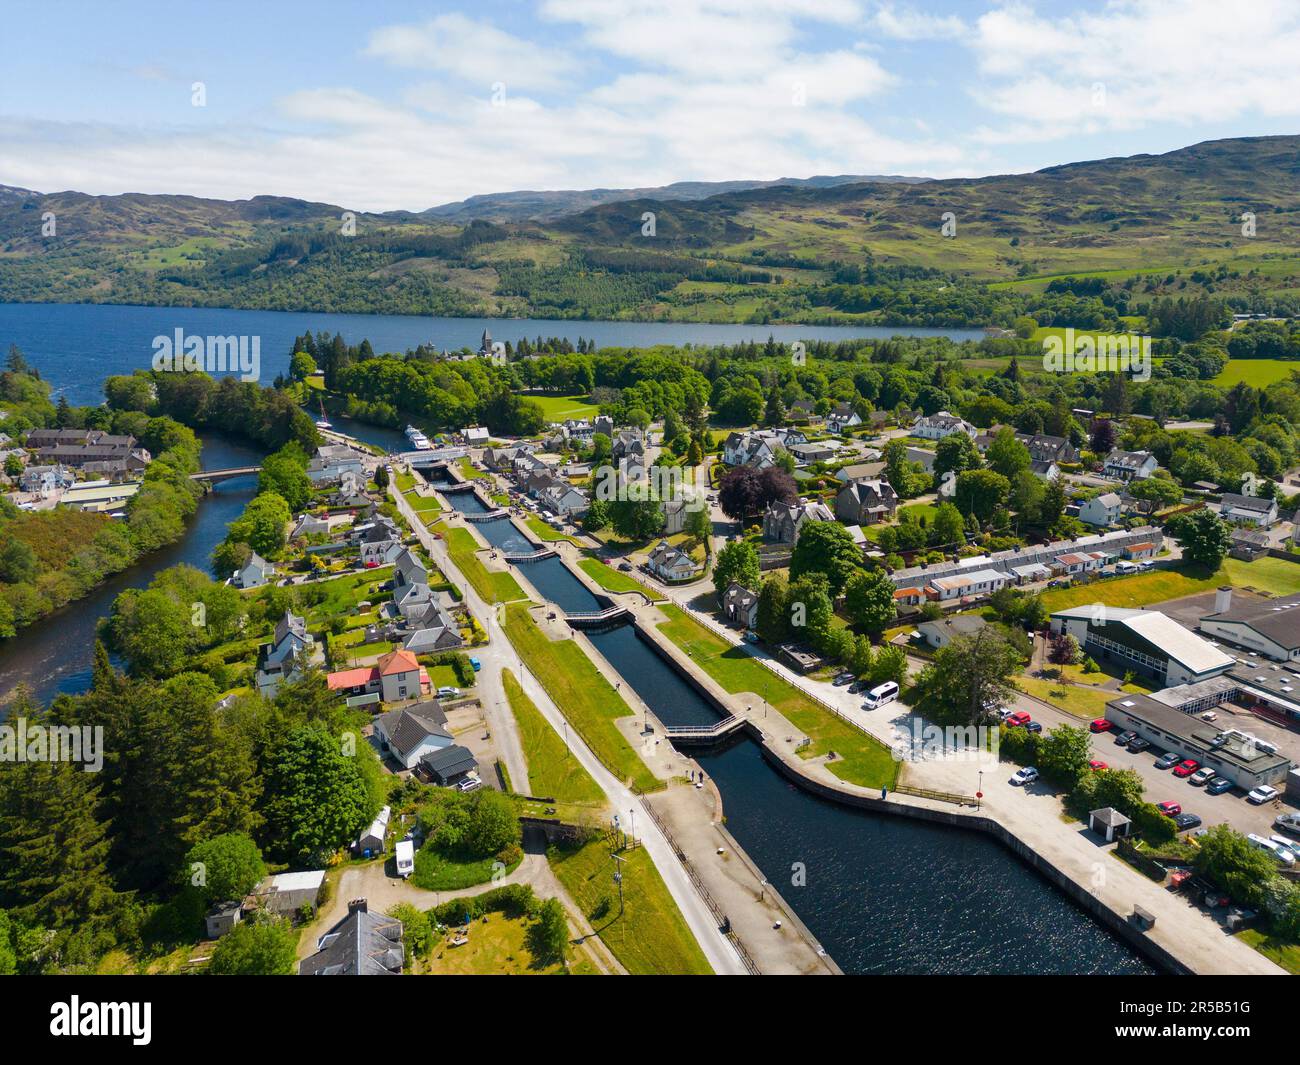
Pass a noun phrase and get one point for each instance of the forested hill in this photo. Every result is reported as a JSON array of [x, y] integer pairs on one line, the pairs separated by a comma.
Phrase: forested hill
[[1126, 231]]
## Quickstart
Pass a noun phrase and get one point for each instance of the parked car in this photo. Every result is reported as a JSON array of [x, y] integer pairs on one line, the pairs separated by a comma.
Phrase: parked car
[[1201, 776], [1100, 725], [1018, 720], [844, 678], [1033, 726], [1167, 760], [1170, 809], [1287, 844], [448, 692], [1218, 786], [751, 636], [1186, 767], [1283, 854], [626, 567], [1186, 821], [475, 663], [1125, 567], [1262, 794], [1024, 776], [1097, 765], [1209, 715], [857, 686], [469, 783], [1126, 737], [1288, 823]]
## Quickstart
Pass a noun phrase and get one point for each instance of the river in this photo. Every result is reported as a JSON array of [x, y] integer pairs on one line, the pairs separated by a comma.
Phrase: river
[[77, 345], [883, 895]]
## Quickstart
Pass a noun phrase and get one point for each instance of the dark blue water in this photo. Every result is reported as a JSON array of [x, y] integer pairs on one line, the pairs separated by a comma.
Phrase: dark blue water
[[78, 345], [56, 654], [881, 894]]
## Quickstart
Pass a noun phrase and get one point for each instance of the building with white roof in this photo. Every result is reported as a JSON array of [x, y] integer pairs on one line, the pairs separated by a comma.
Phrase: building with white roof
[[1145, 641]]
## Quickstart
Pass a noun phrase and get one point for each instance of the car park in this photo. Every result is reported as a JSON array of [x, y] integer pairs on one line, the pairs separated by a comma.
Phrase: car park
[[1123, 738], [1202, 776], [1024, 776], [1100, 725], [1262, 794], [1187, 821], [1218, 786], [1167, 760], [1170, 809], [1186, 767]]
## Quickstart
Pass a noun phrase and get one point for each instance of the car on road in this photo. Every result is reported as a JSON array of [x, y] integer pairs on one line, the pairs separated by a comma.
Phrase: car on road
[[1018, 720], [1170, 809], [1167, 760], [1100, 725], [1138, 744], [1186, 767], [1202, 776], [448, 692], [1097, 765], [1126, 737], [844, 678], [1033, 726], [626, 567], [1186, 821], [751, 636], [1024, 776], [476, 664], [1262, 794], [1218, 786]]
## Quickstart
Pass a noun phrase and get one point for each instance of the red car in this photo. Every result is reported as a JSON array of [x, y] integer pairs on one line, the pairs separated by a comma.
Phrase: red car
[[1186, 767], [1170, 809], [1097, 764], [1100, 725], [1018, 720]]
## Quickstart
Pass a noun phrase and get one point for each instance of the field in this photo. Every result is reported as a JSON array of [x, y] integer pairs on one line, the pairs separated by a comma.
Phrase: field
[[561, 408], [1274, 576], [552, 771], [1258, 373], [613, 581], [649, 937], [498, 947], [862, 760], [582, 693], [494, 586]]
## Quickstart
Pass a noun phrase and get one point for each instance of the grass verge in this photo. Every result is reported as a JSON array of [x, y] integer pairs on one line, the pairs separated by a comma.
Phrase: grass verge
[[552, 769]]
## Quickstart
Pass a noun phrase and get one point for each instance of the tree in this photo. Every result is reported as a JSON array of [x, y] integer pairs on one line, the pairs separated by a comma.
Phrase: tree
[[1007, 455], [890, 663], [493, 824], [739, 493], [869, 600], [285, 474], [1065, 650], [947, 528], [955, 452], [224, 867], [1204, 536], [1103, 437], [1063, 755], [262, 525], [774, 410], [776, 485], [301, 366], [1227, 859], [737, 562], [698, 523], [969, 676], [638, 517], [809, 608], [548, 936], [772, 621], [597, 516], [260, 946], [316, 797], [825, 547], [981, 493]]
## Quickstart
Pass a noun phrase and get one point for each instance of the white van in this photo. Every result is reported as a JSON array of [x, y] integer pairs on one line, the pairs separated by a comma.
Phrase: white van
[[405, 851], [880, 695], [1280, 853], [1126, 567]]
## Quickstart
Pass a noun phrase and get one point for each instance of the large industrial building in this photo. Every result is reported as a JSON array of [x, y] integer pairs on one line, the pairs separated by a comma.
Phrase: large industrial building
[[1270, 627], [1145, 641]]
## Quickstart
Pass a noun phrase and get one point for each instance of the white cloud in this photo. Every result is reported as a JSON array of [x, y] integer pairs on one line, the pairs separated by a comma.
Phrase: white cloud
[[908, 24]]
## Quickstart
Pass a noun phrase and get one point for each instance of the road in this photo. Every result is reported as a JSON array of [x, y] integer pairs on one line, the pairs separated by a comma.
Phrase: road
[[498, 655]]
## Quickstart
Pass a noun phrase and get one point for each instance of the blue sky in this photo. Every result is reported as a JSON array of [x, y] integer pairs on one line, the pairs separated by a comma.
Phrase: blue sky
[[387, 105]]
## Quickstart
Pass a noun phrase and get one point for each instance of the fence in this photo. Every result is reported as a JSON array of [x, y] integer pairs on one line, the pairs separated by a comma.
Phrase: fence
[[954, 797], [723, 922]]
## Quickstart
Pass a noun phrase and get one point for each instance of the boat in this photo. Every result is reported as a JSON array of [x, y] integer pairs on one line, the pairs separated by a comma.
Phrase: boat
[[322, 422], [418, 440]]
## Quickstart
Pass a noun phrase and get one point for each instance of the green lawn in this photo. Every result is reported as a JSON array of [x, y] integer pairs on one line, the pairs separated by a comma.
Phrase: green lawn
[[547, 533], [493, 585], [649, 937], [582, 693], [421, 504], [498, 947], [613, 581], [437, 872], [560, 408], [552, 771], [1081, 702], [1274, 576], [1258, 373], [1276, 950], [469, 472], [862, 759]]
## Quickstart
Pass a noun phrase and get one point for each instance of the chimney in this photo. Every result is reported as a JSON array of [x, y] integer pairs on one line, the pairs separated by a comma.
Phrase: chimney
[[357, 906], [1223, 599]]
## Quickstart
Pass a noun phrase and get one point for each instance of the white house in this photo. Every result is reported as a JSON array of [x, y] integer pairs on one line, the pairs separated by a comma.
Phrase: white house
[[477, 434], [1248, 510], [412, 732], [1130, 465], [254, 573], [740, 605], [960, 585], [751, 449], [941, 424], [1082, 561], [669, 564], [842, 418], [1103, 510]]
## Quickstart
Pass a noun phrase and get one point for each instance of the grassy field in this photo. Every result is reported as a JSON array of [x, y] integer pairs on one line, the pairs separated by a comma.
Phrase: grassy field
[[613, 581], [552, 771], [1258, 373], [583, 695], [423, 504], [494, 586], [469, 472], [649, 937], [862, 760], [545, 532], [497, 948], [1276, 950], [1274, 576], [560, 408], [437, 872], [1081, 702]]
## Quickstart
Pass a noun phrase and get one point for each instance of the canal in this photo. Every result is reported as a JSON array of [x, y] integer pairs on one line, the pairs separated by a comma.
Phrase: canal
[[882, 894]]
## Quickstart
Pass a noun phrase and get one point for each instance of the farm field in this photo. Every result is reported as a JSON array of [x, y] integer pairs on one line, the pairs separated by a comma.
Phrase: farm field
[[1258, 373]]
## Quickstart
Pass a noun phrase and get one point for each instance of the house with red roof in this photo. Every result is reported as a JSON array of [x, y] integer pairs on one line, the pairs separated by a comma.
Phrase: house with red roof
[[396, 676]]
